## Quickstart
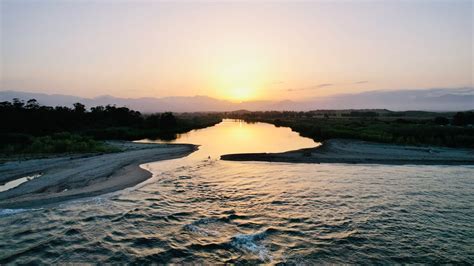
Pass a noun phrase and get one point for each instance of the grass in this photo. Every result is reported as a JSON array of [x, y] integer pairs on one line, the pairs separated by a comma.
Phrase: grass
[[54, 144]]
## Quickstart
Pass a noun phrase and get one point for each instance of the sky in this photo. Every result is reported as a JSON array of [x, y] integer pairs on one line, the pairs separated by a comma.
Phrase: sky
[[247, 50]]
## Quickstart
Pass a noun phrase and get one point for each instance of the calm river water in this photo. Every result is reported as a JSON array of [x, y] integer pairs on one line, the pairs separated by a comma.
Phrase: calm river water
[[202, 210]]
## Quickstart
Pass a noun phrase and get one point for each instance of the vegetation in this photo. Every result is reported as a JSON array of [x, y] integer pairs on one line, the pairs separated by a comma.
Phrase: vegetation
[[32, 128], [414, 128], [55, 143]]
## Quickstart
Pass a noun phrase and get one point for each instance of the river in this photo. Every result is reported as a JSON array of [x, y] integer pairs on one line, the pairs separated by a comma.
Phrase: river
[[204, 210]]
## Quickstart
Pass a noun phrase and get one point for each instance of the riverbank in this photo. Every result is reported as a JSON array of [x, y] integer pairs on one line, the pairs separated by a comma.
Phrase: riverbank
[[416, 128], [70, 177], [364, 152]]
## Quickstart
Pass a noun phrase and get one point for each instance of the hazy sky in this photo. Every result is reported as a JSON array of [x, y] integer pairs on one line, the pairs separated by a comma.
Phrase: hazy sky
[[234, 50]]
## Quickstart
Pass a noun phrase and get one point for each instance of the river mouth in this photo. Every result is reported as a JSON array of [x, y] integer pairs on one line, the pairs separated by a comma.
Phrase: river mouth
[[208, 211]]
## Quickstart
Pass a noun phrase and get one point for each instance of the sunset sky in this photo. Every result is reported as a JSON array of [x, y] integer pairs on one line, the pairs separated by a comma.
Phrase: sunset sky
[[236, 51]]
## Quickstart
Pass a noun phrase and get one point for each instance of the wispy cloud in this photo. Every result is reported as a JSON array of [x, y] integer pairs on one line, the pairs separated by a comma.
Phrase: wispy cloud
[[323, 85], [314, 87]]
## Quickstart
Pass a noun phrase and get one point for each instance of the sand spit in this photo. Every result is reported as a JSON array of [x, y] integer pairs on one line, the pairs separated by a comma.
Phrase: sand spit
[[71, 177], [363, 152]]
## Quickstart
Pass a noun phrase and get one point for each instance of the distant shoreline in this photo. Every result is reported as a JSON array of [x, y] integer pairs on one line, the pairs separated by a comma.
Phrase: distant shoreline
[[363, 152], [71, 177]]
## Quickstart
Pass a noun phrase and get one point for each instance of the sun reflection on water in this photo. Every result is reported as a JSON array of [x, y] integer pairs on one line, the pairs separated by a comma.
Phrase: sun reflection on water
[[236, 136]]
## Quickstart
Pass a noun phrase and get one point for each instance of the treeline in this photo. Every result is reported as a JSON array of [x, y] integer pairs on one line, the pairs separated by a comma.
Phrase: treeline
[[463, 119], [25, 126], [361, 114], [455, 131]]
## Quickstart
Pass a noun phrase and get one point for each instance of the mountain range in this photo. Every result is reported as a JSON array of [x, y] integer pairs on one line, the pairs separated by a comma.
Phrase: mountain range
[[440, 99]]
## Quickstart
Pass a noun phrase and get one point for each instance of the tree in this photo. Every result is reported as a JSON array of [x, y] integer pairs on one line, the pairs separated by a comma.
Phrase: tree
[[79, 108], [459, 119], [167, 119], [17, 103], [32, 104], [441, 120]]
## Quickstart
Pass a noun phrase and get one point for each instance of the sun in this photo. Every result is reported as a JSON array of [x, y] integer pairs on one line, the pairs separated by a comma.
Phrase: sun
[[238, 81], [241, 93]]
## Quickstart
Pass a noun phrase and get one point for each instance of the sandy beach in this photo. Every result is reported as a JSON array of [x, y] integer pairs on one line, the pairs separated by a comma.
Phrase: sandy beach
[[363, 152], [77, 176]]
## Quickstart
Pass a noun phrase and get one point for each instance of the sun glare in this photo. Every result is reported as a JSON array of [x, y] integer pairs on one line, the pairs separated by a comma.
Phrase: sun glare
[[241, 93], [239, 81]]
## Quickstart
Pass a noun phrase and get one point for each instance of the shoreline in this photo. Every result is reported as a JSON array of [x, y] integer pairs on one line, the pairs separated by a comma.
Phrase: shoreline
[[363, 152], [72, 177], [80, 176]]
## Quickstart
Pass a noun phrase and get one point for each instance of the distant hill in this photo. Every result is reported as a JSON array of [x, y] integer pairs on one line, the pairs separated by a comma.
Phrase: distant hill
[[148, 104], [427, 99]]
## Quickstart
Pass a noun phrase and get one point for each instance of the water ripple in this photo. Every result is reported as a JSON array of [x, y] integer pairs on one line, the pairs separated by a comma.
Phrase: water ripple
[[251, 213]]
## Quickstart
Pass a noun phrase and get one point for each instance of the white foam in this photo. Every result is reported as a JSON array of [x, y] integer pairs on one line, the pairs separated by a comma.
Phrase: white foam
[[6, 212], [249, 243]]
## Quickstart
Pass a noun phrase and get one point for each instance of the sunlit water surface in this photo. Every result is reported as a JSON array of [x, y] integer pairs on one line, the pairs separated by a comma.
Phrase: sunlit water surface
[[196, 209]]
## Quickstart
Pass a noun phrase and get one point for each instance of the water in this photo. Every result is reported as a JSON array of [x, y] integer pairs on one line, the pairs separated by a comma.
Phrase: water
[[234, 136], [212, 211], [17, 182]]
